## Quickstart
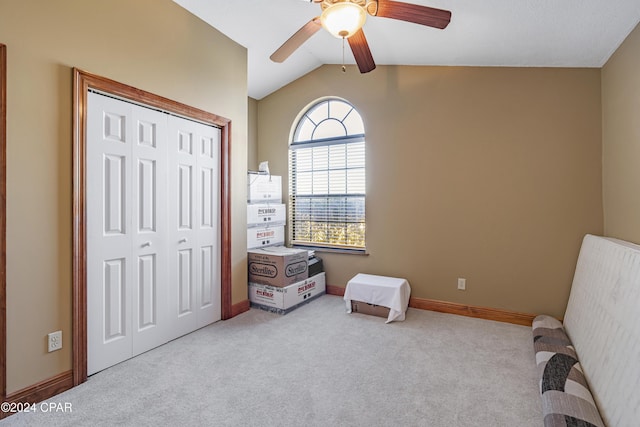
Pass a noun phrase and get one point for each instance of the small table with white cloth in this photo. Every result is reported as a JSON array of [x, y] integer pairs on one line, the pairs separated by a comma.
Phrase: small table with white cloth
[[391, 292]]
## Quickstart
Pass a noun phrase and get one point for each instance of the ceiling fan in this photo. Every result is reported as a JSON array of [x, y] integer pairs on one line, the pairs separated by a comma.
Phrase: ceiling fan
[[345, 18]]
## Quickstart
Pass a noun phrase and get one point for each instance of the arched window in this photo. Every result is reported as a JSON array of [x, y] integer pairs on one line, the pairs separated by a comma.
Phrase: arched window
[[327, 177]]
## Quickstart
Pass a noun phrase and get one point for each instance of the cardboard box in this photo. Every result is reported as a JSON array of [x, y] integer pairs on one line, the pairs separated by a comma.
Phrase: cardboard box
[[265, 236], [278, 266], [366, 308], [282, 300], [264, 188], [266, 214]]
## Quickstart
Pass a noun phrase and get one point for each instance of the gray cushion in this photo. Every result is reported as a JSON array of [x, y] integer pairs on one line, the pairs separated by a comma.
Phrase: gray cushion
[[566, 398]]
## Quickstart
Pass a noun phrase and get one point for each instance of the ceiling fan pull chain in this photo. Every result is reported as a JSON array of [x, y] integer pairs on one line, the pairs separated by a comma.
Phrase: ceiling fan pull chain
[[344, 69]]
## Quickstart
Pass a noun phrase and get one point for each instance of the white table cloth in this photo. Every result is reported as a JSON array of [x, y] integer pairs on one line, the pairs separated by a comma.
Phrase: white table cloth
[[391, 292]]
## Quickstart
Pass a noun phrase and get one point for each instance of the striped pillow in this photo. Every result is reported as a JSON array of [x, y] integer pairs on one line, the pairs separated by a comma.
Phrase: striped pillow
[[566, 399]]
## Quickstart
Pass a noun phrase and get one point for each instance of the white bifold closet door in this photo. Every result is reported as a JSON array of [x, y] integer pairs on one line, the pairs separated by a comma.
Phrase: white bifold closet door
[[152, 204]]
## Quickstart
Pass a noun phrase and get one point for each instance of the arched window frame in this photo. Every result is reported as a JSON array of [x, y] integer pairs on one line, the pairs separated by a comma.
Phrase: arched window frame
[[327, 169]]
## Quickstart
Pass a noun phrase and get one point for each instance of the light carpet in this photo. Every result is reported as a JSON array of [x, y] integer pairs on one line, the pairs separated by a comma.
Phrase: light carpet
[[317, 366]]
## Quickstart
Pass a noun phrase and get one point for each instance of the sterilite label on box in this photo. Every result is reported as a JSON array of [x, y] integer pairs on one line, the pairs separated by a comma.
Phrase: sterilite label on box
[[262, 214], [265, 236], [278, 266], [284, 299]]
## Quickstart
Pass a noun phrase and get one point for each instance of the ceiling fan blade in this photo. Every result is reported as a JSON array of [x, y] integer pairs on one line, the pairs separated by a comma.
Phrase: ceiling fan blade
[[361, 52], [415, 13], [296, 40]]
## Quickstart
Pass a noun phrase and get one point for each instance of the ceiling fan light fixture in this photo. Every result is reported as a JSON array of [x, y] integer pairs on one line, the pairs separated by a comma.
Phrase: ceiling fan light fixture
[[343, 19]]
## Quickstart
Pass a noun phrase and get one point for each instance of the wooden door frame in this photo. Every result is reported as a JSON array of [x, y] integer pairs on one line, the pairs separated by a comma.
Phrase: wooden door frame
[[82, 82], [3, 221]]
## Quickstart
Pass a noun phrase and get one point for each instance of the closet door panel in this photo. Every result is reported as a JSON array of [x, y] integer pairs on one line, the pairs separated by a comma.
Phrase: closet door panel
[[148, 210], [109, 252], [182, 191], [209, 290], [195, 225]]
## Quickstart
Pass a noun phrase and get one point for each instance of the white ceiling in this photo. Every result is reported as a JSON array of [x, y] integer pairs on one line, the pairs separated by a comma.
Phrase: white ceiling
[[521, 33]]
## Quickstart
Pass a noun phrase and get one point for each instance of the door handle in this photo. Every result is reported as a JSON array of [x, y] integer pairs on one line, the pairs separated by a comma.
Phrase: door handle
[[183, 240], [146, 244]]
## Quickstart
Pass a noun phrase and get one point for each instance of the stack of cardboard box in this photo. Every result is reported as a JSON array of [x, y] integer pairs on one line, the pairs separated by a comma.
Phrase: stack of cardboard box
[[279, 278], [266, 214]]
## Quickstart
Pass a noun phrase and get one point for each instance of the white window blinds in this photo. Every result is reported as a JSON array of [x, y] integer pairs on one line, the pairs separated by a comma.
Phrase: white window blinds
[[327, 178]]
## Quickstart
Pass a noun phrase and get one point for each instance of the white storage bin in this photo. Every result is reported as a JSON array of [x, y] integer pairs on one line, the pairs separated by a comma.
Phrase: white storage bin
[[283, 300], [259, 237], [266, 214], [264, 188]]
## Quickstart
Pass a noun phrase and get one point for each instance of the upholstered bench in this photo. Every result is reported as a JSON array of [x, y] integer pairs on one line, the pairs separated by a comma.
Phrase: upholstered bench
[[588, 364]]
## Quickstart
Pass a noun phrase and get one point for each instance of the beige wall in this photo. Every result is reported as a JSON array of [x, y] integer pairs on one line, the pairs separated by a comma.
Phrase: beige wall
[[154, 45], [621, 140], [252, 140], [491, 174]]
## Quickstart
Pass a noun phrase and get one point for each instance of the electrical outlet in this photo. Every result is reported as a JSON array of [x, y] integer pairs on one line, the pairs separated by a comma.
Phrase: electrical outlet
[[462, 284], [55, 341]]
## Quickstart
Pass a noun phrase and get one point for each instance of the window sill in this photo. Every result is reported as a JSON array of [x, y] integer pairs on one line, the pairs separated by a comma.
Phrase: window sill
[[324, 249]]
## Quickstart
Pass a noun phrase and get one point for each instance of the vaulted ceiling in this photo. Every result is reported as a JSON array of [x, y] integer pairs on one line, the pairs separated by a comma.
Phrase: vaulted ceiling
[[518, 33]]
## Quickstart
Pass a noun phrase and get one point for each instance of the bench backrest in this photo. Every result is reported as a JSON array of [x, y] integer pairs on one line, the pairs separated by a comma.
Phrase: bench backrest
[[603, 322]]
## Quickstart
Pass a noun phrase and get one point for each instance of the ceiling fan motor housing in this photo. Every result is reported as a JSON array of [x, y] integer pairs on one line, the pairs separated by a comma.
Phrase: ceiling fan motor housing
[[371, 6], [327, 3]]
